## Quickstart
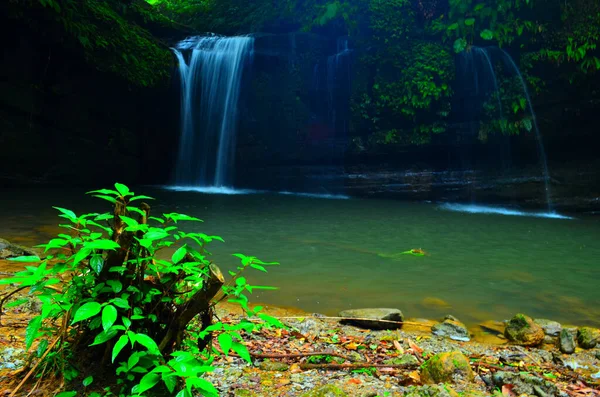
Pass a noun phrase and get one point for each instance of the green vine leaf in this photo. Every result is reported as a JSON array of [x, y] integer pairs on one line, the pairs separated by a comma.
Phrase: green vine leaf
[[86, 311]]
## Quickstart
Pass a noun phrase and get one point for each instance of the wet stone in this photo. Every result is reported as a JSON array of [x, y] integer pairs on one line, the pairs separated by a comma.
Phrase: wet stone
[[551, 328], [522, 330], [588, 337], [451, 328], [566, 342], [367, 318]]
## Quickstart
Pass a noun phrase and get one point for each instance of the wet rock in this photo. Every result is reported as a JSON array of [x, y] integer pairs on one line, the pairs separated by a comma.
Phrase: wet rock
[[522, 330], [308, 326], [451, 328], [11, 358], [325, 391], [431, 391], [447, 367], [566, 342], [598, 354], [588, 337], [524, 383], [367, 318], [273, 366], [10, 250], [406, 359], [551, 328]]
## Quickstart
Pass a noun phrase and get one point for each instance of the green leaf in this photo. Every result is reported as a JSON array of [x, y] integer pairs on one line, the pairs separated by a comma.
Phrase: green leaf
[[86, 311], [104, 191], [271, 320], [97, 263], [148, 343], [88, 381], [454, 26], [116, 285], [179, 254], [141, 198], [70, 215], [25, 259], [242, 350], [81, 255], [67, 394], [155, 234], [105, 336], [16, 303], [32, 331], [122, 189], [120, 302], [460, 45], [109, 316], [148, 382], [119, 346], [129, 221], [205, 387], [107, 198], [487, 34], [470, 21], [102, 245], [225, 340], [170, 381]]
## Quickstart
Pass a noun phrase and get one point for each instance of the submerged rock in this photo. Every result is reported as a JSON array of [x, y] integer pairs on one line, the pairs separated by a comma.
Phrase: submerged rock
[[447, 367], [588, 337], [551, 328], [522, 330], [10, 250], [451, 328], [566, 342], [367, 318]]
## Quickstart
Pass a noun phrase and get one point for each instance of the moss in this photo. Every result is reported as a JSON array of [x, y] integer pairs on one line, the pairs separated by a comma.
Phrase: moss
[[325, 391]]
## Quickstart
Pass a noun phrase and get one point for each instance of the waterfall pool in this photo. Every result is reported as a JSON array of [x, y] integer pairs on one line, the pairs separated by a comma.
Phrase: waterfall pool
[[338, 254]]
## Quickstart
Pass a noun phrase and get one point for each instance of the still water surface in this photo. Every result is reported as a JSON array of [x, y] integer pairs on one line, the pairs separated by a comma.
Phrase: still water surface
[[338, 254]]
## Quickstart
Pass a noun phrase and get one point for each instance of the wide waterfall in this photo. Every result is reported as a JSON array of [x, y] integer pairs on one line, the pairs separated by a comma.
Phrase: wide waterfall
[[211, 70]]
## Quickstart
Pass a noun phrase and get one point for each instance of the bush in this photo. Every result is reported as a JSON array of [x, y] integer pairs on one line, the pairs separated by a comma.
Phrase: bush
[[109, 298]]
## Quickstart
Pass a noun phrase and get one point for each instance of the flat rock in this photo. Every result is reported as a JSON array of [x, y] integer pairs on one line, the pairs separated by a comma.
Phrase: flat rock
[[368, 318], [551, 328], [10, 250], [451, 328]]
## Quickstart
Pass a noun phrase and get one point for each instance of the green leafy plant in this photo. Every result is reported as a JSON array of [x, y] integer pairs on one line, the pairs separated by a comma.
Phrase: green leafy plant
[[111, 295]]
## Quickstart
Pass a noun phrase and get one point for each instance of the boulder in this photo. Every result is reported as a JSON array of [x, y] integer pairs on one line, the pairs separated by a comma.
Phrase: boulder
[[447, 367], [10, 250], [451, 328], [588, 337], [522, 330], [368, 318], [566, 342], [551, 328]]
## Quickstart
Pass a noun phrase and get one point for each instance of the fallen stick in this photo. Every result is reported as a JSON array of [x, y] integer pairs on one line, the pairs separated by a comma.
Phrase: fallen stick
[[363, 319]]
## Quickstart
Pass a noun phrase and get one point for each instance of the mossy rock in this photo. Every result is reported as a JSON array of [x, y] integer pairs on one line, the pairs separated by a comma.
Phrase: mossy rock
[[588, 337], [325, 391], [521, 329], [269, 365], [406, 359], [431, 391], [447, 367]]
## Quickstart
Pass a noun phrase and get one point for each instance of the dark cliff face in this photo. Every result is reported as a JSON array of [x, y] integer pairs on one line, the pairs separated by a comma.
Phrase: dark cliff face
[[65, 121]]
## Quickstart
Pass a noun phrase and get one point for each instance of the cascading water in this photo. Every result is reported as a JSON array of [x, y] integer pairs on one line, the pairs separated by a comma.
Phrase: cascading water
[[211, 81], [480, 82]]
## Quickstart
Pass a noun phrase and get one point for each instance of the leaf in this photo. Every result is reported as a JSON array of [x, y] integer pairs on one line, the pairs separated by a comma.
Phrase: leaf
[[242, 350], [119, 346], [86, 311], [109, 316], [141, 198], [129, 221], [25, 259], [148, 343], [81, 255], [116, 285], [88, 381], [179, 254], [170, 381], [102, 245], [487, 34], [103, 191], [67, 394], [122, 189], [105, 336], [148, 382], [107, 198], [97, 263], [120, 302], [470, 21], [16, 303], [70, 215], [460, 45], [225, 340], [32, 331], [271, 320], [454, 26], [205, 387]]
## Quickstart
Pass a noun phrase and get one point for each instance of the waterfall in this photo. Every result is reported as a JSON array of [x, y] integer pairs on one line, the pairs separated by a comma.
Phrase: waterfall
[[337, 82], [211, 81], [511, 63]]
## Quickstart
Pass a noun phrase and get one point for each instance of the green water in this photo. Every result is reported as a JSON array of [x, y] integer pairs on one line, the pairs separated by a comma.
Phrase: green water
[[338, 254]]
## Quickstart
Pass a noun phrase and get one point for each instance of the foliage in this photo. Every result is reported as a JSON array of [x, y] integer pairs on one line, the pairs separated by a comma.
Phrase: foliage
[[109, 33], [111, 295]]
